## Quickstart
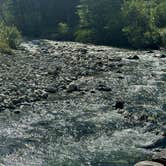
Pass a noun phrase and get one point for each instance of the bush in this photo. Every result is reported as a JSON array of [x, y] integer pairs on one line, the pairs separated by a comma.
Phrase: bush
[[63, 31], [162, 33], [63, 28], [9, 35], [83, 35], [4, 48]]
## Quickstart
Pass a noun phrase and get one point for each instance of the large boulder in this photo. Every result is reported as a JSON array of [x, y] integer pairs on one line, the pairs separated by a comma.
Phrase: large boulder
[[160, 157], [148, 163]]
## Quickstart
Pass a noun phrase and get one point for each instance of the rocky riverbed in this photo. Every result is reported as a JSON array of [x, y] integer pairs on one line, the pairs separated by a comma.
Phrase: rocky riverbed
[[70, 104]]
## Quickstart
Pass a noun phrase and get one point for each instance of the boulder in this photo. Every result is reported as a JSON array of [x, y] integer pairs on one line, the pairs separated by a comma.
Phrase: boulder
[[148, 163], [160, 157]]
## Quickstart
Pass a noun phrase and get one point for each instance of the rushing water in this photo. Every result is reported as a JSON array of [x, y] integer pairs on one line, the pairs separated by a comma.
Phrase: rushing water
[[83, 128]]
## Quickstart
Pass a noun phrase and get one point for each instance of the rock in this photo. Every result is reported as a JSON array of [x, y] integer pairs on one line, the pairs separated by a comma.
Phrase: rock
[[17, 111], [160, 157], [116, 59], [163, 56], [53, 70], [159, 143], [17, 101], [148, 163], [135, 57], [51, 89], [40, 94], [72, 87], [119, 105], [150, 51], [163, 129], [2, 164], [102, 87], [121, 77], [83, 50]]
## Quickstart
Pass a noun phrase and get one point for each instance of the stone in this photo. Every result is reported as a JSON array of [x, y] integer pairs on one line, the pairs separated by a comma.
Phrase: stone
[[148, 163], [163, 129], [83, 50], [51, 89], [159, 143], [160, 157], [163, 56], [17, 111], [102, 87], [72, 87], [135, 57], [119, 105], [150, 51], [116, 59]]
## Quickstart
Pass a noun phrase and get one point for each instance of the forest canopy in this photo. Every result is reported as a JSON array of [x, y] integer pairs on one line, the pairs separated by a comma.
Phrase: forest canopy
[[129, 23]]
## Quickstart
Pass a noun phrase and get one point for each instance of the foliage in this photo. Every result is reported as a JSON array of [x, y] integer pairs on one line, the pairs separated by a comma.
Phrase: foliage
[[9, 37], [4, 48], [63, 28], [160, 15], [83, 35], [140, 27], [104, 18], [162, 33], [136, 23]]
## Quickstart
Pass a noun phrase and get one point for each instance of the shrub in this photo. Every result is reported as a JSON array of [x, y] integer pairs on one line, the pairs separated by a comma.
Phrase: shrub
[[83, 35], [162, 33], [9, 35], [4, 48], [63, 28]]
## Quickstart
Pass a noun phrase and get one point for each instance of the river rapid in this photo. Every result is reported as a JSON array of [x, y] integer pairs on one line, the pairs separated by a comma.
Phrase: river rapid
[[71, 104]]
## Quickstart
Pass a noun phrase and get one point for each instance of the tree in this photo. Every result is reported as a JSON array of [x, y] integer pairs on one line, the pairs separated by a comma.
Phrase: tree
[[140, 27], [103, 19]]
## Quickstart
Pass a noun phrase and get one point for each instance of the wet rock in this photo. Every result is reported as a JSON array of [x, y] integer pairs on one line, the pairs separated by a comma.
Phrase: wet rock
[[17, 101], [83, 50], [17, 111], [135, 57], [72, 87], [119, 105], [102, 87], [150, 51], [117, 59], [121, 77], [2, 164], [51, 89], [159, 143], [163, 56], [160, 157], [40, 94], [53, 70], [148, 163]]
